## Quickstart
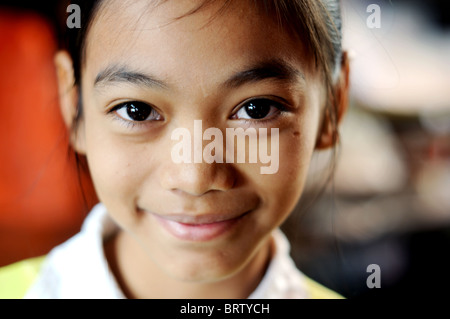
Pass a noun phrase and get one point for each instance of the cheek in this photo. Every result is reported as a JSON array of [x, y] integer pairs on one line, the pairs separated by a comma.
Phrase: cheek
[[112, 171], [282, 190], [118, 167]]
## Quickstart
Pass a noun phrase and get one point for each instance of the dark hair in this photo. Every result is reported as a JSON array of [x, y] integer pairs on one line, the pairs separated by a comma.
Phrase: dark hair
[[318, 22]]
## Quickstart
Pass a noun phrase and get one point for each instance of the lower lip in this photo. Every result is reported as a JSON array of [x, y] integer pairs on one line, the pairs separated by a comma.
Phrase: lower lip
[[202, 232]]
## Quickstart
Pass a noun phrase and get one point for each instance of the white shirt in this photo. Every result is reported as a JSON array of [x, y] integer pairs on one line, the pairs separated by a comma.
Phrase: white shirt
[[78, 268]]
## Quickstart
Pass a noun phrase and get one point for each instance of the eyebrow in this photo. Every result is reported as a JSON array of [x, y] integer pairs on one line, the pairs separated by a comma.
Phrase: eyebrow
[[273, 69], [122, 74]]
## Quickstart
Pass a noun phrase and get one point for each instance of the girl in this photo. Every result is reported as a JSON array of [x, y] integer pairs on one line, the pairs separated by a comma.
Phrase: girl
[[138, 70]]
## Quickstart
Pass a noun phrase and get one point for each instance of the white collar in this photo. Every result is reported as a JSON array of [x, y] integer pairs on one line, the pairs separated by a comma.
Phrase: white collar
[[78, 268]]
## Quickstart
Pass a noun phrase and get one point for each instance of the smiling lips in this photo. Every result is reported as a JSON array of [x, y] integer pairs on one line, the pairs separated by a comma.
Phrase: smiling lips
[[190, 228]]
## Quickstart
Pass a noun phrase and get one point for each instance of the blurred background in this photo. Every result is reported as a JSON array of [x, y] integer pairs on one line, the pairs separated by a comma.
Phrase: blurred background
[[41, 202], [388, 203]]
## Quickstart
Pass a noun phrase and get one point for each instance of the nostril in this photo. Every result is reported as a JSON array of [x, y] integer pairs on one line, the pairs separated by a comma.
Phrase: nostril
[[197, 179]]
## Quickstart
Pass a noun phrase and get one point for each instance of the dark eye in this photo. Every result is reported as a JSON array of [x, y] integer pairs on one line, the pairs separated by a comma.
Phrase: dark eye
[[137, 112], [258, 109]]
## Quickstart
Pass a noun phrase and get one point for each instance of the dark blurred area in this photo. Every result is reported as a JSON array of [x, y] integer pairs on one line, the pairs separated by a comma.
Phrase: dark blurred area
[[41, 198], [50, 9], [389, 203]]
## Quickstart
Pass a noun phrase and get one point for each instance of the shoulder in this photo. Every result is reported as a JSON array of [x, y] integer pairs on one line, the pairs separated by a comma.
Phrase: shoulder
[[16, 279], [283, 280], [318, 291], [77, 268]]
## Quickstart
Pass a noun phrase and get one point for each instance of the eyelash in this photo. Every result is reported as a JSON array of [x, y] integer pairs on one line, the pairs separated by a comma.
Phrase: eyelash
[[281, 108], [127, 123]]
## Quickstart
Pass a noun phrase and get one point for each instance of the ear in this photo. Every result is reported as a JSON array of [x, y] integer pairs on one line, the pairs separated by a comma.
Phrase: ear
[[68, 99], [327, 137]]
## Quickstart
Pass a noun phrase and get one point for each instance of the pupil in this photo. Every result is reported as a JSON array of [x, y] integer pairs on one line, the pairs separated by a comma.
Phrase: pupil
[[138, 111], [257, 111]]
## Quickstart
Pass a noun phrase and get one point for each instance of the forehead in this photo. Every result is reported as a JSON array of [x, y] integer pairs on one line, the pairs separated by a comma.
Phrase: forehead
[[163, 37]]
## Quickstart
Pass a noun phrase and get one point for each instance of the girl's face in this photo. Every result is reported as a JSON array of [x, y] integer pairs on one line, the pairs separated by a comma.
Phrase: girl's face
[[195, 221]]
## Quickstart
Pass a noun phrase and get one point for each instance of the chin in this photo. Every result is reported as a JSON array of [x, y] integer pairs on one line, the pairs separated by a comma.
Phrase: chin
[[204, 270]]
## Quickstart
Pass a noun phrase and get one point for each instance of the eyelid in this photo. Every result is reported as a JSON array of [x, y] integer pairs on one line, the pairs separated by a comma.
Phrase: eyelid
[[274, 99], [118, 105], [278, 102], [130, 123]]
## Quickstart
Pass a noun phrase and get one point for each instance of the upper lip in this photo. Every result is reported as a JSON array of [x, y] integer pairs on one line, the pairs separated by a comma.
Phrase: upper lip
[[206, 210], [200, 219]]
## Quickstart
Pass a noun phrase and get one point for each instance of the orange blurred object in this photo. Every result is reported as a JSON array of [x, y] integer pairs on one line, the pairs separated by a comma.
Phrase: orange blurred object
[[41, 202]]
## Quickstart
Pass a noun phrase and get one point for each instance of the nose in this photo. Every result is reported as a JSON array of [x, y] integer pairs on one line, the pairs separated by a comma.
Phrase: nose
[[197, 179], [196, 175]]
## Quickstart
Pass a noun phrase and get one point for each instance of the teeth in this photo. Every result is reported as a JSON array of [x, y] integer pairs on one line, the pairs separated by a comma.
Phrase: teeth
[[199, 220], [202, 223]]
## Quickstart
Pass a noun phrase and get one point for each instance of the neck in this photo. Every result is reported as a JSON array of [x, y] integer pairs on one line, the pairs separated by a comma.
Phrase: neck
[[138, 275]]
